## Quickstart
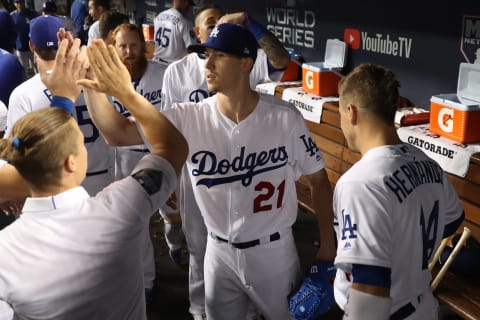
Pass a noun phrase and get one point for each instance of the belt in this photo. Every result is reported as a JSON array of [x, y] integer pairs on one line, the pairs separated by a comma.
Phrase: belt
[[96, 173], [139, 150], [244, 245], [403, 312]]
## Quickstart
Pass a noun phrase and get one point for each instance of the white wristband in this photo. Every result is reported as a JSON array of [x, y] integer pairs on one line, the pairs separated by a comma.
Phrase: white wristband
[[361, 306]]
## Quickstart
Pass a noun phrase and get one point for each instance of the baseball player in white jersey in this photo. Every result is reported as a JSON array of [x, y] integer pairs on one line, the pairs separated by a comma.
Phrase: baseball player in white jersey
[[185, 81], [90, 265], [245, 152], [33, 95], [95, 9], [147, 79], [173, 32], [393, 207]]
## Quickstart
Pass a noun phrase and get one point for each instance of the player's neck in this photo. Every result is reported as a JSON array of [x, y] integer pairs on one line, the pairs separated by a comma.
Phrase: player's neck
[[377, 136], [53, 190], [237, 105], [48, 64]]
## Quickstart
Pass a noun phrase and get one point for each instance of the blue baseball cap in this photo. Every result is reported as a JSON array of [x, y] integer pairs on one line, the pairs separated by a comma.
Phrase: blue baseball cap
[[230, 38], [43, 31]]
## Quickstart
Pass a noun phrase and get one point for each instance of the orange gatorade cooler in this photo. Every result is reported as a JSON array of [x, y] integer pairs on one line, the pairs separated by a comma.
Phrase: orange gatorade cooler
[[457, 116], [321, 78]]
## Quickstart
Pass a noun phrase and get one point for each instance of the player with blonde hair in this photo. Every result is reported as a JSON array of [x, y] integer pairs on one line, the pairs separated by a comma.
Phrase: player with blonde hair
[[69, 249]]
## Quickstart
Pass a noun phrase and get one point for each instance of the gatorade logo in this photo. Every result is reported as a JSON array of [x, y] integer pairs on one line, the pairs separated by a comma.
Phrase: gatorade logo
[[352, 38], [309, 79], [445, 120]]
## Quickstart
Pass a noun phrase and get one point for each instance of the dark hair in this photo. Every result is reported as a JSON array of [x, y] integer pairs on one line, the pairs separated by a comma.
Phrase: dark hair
[[109, 21], [39, 144], [102, 3], [372, 88], [47, 54], [204, 8]]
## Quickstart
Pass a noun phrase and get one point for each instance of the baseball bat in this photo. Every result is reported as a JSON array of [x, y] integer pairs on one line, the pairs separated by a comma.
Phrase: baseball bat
[[465, 235], [439, 251]]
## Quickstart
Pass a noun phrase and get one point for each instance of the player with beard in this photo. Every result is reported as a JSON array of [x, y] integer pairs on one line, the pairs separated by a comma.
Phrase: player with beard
[[147, 79]]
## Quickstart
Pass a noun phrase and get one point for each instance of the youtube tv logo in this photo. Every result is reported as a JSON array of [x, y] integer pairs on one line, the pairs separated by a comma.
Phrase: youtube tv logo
[[352, 38]]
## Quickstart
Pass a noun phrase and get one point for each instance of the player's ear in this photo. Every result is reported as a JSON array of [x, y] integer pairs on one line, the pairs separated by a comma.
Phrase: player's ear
[[70, 164], [352, 113], [247, 64], [196, 30]]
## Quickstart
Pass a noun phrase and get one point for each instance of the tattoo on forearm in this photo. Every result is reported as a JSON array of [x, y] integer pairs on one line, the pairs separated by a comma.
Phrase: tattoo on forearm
[[276, 53]]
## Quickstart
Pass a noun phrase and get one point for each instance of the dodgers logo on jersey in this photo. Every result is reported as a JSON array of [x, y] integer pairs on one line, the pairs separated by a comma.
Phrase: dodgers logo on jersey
[[154, 97], [247, 166], [310, 147], [199, 95], [348, 230]]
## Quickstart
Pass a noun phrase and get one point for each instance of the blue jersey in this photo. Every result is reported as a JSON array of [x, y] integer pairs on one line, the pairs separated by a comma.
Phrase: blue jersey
[[78, 12], [8, 34], [11, 76], [22, 26]]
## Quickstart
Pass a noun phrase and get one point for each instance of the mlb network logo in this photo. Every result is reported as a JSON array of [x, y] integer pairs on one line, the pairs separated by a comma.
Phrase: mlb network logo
[[352, 38]]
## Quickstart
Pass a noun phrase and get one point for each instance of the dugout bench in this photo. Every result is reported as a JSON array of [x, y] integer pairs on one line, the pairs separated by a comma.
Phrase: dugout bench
[[455, 293]]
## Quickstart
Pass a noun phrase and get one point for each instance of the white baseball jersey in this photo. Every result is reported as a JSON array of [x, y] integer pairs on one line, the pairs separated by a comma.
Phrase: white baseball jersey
[[185, 81], [392, 207], [126, 158], [71, 256], [94, 32], [3, 116], [149, 86], [32, 95], [173, 35], [245, 186]]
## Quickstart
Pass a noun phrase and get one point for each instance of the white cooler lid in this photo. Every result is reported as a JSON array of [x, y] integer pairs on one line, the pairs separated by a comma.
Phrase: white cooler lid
[[335, 56], [335, 53], [468, 87]]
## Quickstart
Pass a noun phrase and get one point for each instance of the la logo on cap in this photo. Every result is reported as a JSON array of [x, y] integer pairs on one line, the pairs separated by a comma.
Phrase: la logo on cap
[[214, 32]]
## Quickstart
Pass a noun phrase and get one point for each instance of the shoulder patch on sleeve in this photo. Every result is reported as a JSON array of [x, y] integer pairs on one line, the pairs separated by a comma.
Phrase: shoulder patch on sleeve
[[149, 179]]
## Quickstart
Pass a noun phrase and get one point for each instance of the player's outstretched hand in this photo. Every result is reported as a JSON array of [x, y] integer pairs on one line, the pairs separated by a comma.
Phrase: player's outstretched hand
[[70, 65], [315, 296], [111, 75], [64, 34]]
